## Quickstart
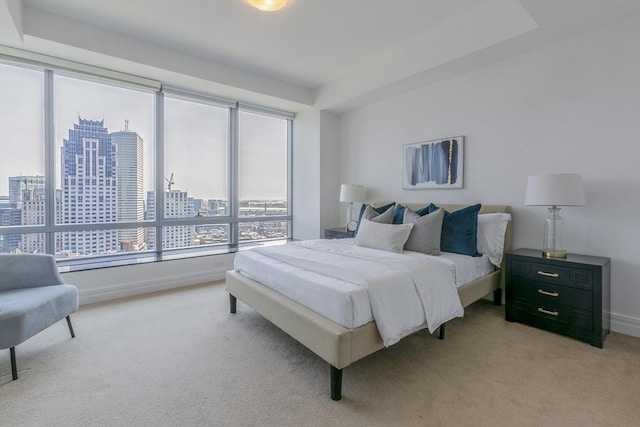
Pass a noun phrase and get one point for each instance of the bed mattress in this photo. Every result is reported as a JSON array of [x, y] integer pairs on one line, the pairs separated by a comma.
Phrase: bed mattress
[[345, 303]]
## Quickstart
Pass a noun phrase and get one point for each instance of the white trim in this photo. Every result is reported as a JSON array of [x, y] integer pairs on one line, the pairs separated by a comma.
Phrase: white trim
[[265, 111], [624, 324], [91, 296], [147, 283], [187, 95], [19, 56]]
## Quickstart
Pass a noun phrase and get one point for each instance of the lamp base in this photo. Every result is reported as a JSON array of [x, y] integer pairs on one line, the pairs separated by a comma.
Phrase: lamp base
[[554, 254]]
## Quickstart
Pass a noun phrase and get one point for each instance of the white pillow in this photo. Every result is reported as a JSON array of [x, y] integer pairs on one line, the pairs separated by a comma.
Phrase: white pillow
[[491, 230], [387, 237]]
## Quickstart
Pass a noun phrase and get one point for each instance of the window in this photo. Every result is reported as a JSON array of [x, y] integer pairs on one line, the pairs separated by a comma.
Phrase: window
[[22, 156], [196, 141], [83, 184], [263, 155], [102, 133]]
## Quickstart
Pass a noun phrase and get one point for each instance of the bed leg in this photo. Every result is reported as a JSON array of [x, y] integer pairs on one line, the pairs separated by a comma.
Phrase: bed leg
[[497, 297], [441, 336], [232, 303], [336, 383]]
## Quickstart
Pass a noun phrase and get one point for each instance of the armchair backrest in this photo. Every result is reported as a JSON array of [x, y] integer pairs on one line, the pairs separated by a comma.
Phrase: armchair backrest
[[28, 271]]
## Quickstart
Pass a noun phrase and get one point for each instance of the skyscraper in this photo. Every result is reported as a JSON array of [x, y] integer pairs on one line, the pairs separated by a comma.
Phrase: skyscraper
[[17, 185], [89, 190], [129, 176], [177, 204], [21, 190]]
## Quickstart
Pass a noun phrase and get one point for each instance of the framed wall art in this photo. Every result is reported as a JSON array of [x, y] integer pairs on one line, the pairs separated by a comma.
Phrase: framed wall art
[[437, 164]]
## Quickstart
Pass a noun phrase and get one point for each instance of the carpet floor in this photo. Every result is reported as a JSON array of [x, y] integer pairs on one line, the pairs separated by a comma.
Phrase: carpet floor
[[179, 358]]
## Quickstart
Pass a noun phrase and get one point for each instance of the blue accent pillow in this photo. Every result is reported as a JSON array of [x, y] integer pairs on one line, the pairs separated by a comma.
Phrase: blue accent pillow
[[380, 210], [460, 230], [398, 215]]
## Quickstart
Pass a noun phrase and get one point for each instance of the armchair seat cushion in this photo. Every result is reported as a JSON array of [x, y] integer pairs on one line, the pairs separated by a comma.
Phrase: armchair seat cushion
[[26, 311]]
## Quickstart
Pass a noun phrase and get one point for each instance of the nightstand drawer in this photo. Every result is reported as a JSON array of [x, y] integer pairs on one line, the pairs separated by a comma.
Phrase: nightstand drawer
[[555, 316], [553, 274], [543, 293]]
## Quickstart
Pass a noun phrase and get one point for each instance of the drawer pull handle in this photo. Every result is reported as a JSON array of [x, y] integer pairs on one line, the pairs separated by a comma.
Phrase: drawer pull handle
[[542, 310], [543, 273], [551, 294]]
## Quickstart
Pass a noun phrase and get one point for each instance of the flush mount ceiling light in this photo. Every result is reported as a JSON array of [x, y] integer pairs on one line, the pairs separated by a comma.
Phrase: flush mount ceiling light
[[268, 5]]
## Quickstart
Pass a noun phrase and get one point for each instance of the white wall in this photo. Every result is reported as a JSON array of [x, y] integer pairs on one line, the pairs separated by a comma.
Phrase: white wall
[[571, 107], [119, 282], [315, 154]]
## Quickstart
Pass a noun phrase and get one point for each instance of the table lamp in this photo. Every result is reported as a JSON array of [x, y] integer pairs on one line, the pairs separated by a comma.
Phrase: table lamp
[[352, 193], [561, 189]]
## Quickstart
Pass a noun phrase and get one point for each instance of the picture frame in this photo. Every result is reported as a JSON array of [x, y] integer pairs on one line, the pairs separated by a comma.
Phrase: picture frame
[[434, 164]]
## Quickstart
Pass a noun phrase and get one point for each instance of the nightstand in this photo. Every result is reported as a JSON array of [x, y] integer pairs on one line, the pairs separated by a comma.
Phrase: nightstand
[[569, 296], [337, 233]]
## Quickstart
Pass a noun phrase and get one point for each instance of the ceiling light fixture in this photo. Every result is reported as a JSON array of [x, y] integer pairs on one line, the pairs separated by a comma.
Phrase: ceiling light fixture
[[268, 5]]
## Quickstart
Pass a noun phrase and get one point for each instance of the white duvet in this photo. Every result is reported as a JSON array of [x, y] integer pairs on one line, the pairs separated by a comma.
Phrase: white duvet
[[406, 292]]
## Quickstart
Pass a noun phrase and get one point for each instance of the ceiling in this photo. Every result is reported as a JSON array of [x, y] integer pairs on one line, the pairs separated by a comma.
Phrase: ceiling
[[334, 55]]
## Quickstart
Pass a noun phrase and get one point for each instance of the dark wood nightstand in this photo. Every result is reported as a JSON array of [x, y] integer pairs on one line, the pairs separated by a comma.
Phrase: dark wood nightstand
[[337, 233], [569, 296]]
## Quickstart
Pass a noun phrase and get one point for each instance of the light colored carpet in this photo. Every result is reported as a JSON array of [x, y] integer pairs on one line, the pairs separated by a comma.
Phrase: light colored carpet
[[180, 359]]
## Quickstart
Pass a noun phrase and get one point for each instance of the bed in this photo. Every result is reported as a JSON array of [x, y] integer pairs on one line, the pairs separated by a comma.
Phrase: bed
[[336, 344]]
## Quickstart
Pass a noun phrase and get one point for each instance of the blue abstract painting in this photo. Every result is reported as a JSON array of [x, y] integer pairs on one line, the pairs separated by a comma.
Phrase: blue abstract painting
[[433, 164]]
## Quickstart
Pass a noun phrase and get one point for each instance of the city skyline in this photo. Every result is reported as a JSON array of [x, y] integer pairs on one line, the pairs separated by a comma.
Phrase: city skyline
[[22, 142], [102, 183]]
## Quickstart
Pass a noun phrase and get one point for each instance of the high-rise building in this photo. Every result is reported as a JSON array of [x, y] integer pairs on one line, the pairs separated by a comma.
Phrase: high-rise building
[[9, 216], [17, 185], [129, 177], [89, 190], [198, 205], [12, 214], [177, 204], [33, 212]]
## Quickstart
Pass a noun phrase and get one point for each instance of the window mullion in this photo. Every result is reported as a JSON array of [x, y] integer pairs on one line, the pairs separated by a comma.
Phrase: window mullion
[[50, 163], [159, 165], [233, 175]]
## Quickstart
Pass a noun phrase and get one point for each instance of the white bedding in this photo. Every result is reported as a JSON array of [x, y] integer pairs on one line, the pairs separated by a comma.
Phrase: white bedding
[[353, 285]]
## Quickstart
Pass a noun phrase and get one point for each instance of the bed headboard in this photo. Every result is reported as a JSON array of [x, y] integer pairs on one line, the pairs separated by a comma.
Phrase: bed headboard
[[452, 207]]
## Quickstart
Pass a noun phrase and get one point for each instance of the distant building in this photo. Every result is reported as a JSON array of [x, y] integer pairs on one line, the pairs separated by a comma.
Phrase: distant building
[[17, 185], [89, 188], [11, 213], [129, 184], [9, 216], [198, 205], [177, 204]]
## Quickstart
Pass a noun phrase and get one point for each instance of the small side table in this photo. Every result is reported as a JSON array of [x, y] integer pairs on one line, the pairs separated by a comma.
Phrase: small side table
[[569, 296], [338, 233]]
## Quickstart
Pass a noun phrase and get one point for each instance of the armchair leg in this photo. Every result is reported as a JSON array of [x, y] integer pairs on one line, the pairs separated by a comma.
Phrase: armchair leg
[[14, 367], [73, 335]]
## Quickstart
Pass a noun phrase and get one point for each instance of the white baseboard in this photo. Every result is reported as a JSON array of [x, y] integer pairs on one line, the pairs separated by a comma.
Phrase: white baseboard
[[125, 281], [107, 293], [625, 324]]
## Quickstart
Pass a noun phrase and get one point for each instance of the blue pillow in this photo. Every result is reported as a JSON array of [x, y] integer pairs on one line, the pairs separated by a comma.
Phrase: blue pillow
[[380, 210], [460, 230], [398, 215]]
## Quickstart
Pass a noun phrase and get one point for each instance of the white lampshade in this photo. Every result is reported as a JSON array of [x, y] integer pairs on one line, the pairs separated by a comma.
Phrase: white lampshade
[[560, 189], [352, 193]]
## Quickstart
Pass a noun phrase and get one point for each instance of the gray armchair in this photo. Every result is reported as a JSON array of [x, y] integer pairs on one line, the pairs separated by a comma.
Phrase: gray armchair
[[33, 297]]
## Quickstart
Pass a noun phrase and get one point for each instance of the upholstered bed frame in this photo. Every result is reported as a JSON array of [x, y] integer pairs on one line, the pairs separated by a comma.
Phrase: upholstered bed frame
[[335, 344]]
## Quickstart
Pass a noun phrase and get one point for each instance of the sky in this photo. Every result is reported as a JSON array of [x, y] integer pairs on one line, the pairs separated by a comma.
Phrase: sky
[[195, 135]]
